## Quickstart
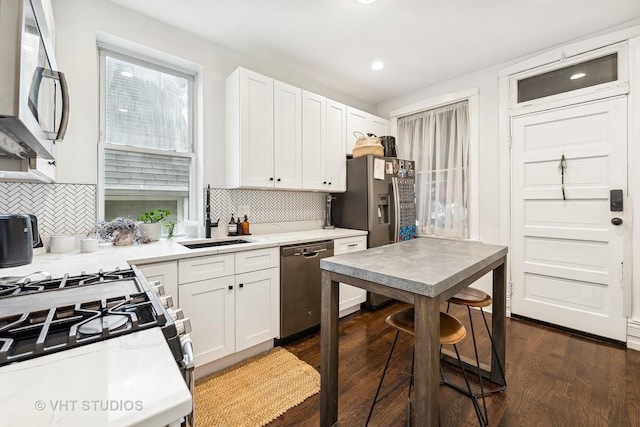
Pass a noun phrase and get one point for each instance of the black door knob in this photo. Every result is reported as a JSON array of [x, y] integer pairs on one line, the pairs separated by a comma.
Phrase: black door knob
[[616, 221]]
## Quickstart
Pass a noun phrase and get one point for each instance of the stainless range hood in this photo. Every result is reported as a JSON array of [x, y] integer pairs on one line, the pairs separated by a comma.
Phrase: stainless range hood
[[34, 101]]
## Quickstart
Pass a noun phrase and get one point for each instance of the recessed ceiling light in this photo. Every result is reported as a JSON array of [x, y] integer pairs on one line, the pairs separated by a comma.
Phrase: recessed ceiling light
[[577, 76], [365, 1], [126, 74], [377, 65]]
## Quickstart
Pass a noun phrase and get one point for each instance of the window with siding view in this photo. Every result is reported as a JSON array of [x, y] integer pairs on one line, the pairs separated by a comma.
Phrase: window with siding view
[[147, 135]]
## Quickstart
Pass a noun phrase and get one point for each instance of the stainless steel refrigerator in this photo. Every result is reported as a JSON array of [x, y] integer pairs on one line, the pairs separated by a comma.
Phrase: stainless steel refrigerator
[[380, 199]]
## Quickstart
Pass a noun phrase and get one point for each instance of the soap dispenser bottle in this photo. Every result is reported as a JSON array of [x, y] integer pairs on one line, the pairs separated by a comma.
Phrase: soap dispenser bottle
[[245, 225], [233, 227]]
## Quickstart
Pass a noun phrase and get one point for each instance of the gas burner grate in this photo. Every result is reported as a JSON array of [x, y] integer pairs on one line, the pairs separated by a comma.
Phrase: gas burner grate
[[27, 286], [37, 333]]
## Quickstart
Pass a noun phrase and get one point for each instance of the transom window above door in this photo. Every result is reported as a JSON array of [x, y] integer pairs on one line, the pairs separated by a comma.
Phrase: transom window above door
[[589, 75], [584, 74]]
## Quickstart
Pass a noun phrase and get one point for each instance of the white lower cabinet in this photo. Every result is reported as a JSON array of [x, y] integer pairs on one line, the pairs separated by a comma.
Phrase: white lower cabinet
[[209, 304], [257, 307], [232, 301], [350, 296]]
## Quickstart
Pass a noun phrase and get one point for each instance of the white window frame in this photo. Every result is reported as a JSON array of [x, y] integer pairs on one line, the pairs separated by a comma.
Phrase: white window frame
[[163, 66], [471, 96], [608, 89]]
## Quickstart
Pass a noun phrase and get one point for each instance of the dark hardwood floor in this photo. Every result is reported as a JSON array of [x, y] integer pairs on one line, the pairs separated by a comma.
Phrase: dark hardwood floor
[[554, 378]]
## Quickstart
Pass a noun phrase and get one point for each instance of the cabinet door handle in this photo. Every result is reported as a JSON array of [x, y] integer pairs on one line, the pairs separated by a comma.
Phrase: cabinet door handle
[[241, 285], [352, 245], [271, 179], [230, 287], [324, 182], [278, 179], [329, 182]]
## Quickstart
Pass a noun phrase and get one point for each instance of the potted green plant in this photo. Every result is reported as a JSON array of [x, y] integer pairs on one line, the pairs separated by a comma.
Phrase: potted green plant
[[170, 227], [152, 223], [121, 231]]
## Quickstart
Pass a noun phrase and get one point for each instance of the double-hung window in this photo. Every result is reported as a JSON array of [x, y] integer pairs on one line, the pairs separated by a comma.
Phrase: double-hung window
[[146, 137]]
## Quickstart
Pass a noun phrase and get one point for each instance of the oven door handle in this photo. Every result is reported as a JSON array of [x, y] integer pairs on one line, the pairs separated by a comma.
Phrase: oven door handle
[[189, 364], [187, 351]]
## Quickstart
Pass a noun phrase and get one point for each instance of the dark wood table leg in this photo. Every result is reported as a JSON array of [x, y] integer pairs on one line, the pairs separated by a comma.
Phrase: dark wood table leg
[[427, 362], [329, 351], [499, 320]]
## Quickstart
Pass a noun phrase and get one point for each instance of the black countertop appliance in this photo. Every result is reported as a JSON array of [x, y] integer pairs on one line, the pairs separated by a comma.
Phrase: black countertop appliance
[[18, 236]]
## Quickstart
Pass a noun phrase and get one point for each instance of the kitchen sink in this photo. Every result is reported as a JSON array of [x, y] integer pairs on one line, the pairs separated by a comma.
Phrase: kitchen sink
[[213, 244]]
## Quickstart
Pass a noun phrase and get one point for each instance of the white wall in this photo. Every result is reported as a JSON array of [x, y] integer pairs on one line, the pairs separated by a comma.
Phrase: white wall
[[77, 24], [487, 82]]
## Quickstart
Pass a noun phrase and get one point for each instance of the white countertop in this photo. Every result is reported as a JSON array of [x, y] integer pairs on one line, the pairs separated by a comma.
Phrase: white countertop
[[113, 382], [109, 257]]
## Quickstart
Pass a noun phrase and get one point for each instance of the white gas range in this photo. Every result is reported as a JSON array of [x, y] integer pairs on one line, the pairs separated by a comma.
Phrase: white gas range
[[98, 349]]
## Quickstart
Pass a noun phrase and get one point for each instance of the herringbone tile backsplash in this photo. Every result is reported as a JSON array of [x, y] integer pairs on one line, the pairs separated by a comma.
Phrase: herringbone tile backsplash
[[71, 208], [61, 208], [268, 206]]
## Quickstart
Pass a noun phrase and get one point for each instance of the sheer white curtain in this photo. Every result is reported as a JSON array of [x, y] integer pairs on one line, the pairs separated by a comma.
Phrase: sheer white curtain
[[438, 141]]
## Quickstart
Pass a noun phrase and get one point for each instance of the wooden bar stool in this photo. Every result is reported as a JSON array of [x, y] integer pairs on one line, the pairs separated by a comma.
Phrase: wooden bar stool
[[472, 297], [451, 333]]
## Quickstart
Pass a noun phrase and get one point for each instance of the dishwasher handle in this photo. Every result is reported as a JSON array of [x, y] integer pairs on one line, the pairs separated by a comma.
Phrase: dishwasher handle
[[311, 254]]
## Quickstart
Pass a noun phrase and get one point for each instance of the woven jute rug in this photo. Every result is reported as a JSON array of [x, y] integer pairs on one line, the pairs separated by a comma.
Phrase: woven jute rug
[[255, 391]]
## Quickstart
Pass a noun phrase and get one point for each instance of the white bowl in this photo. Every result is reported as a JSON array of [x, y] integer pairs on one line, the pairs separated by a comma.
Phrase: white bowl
[[61, 244], [191, 228], [88, 245]]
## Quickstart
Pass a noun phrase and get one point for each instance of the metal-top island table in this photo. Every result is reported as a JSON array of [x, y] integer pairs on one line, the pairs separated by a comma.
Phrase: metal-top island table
[[424, 272]]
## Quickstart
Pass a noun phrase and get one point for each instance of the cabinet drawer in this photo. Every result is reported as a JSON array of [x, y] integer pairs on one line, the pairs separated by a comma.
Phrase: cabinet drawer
[[166, 273], [349, 244], [257, 260], [206, 267]]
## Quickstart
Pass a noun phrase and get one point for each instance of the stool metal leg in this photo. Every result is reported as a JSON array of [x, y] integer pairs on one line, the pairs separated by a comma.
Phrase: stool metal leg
[[493, 351], [476, 406], [475, 349], [495, 354], [375, 399]]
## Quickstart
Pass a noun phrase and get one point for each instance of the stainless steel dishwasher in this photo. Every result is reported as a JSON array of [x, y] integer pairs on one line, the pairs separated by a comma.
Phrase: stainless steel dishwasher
[[300, 286]]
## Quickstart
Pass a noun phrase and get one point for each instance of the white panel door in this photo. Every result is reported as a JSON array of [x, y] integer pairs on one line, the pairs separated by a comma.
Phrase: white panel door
[[209, 304], [378, 126], [314, 141], [567, 254], [356, 122], [256, 129], [336, 146], [257, 307], [287, 135]]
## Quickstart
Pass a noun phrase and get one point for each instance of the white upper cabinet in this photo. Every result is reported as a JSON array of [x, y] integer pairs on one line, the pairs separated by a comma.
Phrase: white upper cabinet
[[287, 135], [314, 141], [323, 143], [250, 153], [361, 121], [280, 136], [377, 125], [336, 146]]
